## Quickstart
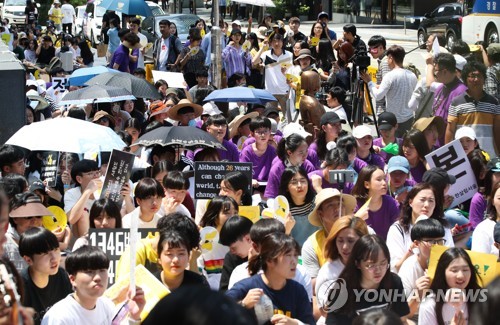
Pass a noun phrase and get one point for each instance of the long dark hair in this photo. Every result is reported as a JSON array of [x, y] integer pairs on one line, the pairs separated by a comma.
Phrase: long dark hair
[[323, 31], [217, 205], [439, 283], [407, 210], [287, 176], [366, 248], [85, 52], [238, 181], [254, 41], [273, 246], [417, 139], [491, 210], [359, 190], [325, 56], [291, 143]]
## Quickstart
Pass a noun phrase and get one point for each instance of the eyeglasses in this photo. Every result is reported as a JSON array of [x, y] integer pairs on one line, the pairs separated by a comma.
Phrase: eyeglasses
[[262, 132], [374, 267], [296, 182], [433, 242]]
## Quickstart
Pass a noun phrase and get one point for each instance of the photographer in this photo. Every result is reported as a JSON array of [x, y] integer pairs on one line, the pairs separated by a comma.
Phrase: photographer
[[397, 87]]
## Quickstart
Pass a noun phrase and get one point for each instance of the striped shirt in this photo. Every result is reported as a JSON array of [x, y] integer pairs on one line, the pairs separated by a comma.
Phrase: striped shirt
[[480, 115], [236, 60]]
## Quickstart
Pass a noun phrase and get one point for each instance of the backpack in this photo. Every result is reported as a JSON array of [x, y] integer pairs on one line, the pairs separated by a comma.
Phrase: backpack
[[55, 62]]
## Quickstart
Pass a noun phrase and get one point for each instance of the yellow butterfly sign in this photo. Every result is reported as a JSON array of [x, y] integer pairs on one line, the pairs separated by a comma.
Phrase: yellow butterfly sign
[[58, 220], [250, 212], [209, 239], [292, 78], [281, 208], [485, 264]]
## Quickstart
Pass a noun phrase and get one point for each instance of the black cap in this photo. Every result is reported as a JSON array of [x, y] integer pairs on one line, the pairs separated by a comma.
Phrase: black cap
[[330, 117], [494, 164], [438, 176], [236, 31], [387, 121], [323, 14], [270, 110], [37, 185]]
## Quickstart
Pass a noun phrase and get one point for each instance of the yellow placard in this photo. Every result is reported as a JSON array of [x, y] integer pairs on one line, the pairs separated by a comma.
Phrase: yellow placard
[[372, 71], [286, 65], [202, 33], [290, 77], [59, 219], [246, 45], [314, 41], [485, 264], [250, 212], [153, 289]]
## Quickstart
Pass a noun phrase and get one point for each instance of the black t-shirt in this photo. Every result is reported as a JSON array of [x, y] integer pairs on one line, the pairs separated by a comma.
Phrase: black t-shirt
[[231, 261], [399, 306], [31, 13], [42, 299], [108, 16], [190, 279], [46, 55], [299, 37]]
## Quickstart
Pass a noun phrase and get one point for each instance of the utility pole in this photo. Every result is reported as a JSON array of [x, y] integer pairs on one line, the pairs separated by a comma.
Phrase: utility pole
[[216, 55]]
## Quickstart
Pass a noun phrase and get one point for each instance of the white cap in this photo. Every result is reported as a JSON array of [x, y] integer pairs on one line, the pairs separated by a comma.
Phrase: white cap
[[296, 128], [460, 61], [42, 86], [465, 131], [30, 82], [210, 109], [237, 22], [361, 131]]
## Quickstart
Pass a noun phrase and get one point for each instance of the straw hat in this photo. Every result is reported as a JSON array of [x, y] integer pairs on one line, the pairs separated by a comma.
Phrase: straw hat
[[42, 102], [173, 112], [100, 114], [32, 208], [423, 123], [348, 202], [236, 122]]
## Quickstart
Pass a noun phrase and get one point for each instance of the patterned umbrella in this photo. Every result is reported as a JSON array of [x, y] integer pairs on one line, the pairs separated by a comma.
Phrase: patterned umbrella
[[179, 136], [96, 94], [136, 86]]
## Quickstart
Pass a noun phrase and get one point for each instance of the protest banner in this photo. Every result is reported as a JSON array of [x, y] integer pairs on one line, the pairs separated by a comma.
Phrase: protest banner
[[114, 242], [209, 175], [50, 162], [452, 158], [118, 173], [173, 79], [485, 264]]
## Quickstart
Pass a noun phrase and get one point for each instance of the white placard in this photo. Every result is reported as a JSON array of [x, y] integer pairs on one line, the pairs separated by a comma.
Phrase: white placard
[[173, 79], [452, 158]]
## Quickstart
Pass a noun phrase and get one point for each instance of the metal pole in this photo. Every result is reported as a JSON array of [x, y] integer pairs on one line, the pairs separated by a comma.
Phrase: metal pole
[[216, 55]]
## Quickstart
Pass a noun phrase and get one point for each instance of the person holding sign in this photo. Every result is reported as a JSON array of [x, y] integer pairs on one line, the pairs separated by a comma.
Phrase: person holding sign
[[482, 238], [289, 300], [453, 271], [318, 32], [173, 252], [88, 272], [149, 194], [378, 209]]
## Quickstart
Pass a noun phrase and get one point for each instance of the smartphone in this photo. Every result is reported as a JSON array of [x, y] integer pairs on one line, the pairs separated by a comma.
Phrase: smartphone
[[341, 176]]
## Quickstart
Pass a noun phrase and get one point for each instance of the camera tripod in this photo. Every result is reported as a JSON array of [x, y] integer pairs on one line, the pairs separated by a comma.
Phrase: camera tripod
[[361, 95]]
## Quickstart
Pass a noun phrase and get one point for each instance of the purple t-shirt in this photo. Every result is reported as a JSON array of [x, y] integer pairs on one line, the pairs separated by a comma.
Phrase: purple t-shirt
[[417, 172], [121, 57], [261, 165], [477, 209], [277, 138], [133, 65], [374, 159], [358, 164], [312, 156], [408, 185], [231, 153], [382, 219], [386, 156], [326, 184], [274, 180]]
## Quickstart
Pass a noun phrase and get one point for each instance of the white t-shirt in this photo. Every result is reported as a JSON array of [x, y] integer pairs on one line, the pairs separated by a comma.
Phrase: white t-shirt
[[399, 241], [68, 13], [72, 196], [69, 312], [180, 208], [144, 41], [310, 260], [241, 272], [329, 271], [127, 219], [427, 312], [482, 238], [275, 79], [410, 272]]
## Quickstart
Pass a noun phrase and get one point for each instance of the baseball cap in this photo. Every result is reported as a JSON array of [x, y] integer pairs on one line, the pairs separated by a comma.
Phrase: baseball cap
[[235, 31], [460, 62], [493, 48], [236, 22], [465, 131], [494, 164], [387, 121], [296, 128], [438, 175], [398, 163], [361, 131], [37, 185], [330, 118], [323, 14]]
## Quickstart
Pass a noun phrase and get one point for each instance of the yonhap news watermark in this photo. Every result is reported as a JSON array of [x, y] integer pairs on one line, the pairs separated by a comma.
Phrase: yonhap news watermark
[[333, 295]]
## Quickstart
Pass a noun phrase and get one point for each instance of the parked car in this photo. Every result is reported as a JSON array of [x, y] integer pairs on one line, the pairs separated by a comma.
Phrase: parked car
[[151, 25], [446, 19], [94, 22], [14, 11]]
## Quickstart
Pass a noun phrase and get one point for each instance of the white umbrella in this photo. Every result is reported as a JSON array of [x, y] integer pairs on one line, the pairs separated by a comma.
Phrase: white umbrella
[[260, 3], [68, 135]]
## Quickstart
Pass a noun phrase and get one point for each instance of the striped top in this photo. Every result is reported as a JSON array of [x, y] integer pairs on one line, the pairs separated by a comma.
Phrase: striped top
[[480, 115]]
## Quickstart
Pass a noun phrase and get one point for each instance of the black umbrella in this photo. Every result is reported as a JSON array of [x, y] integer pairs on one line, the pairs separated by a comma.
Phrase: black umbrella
[[96, 94], [179, 136], [138, 87]]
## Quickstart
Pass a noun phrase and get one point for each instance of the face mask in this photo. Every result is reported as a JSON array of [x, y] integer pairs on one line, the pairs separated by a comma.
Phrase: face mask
[[192, 123]]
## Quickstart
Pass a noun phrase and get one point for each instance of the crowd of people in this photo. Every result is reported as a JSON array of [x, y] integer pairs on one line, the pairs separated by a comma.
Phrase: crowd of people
[[365, 207]]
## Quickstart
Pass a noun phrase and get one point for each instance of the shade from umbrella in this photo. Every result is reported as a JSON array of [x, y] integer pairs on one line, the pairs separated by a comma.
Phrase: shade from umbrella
[[68, 135], [136, 86], [241, 94], [260, 3], [179, 136], [80, 76], [129, 7], [96, 94]]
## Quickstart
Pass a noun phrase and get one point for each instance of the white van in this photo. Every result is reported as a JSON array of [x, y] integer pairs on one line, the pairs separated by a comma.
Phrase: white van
[[14, 11]]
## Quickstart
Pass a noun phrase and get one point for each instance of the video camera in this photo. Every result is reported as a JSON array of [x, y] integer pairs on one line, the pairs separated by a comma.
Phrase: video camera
[[361, 59]]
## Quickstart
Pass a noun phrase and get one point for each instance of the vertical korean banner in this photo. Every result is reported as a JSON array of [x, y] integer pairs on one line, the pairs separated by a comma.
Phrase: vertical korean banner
[[118, 173], [453, 159]]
